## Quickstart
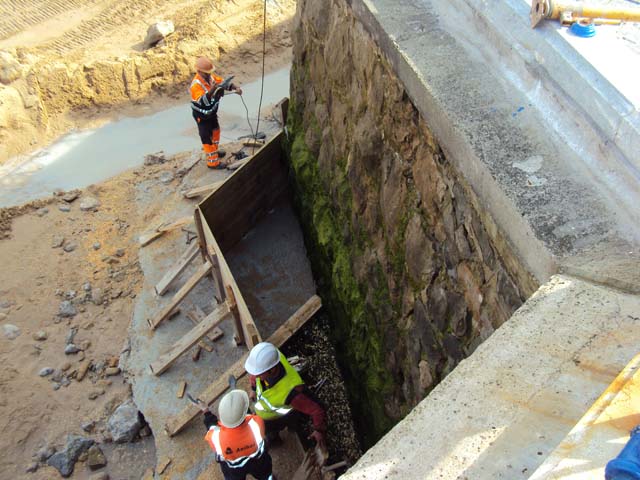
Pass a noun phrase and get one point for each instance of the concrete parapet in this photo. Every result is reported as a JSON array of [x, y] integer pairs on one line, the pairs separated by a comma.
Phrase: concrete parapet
[[505, 408]]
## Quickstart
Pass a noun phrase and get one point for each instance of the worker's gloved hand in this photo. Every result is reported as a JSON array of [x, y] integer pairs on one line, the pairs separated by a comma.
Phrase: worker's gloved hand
[[238, 90], [319, 438]]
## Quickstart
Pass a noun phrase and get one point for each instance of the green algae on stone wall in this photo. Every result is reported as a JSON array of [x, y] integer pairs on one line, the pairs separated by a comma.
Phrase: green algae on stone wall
[[397, 239]]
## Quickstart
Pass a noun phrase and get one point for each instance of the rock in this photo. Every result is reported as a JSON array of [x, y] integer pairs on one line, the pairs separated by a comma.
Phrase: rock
[[88, 426], [5, 304], [70, 335], [65, 460], [10, 67], [111, 371], [65, 382], [57, 241], [65, 366], [70, 247], [89, 204], [154, 159], [67, 310], [120, 252], [145, 431], [41, 212], [113, 361], [156, 32], [115, 294], [57, 376], [32, 468], [59, 292], [95, 458], [82, 370], [118, 276], [44, 453], [96, 246], [85, 345], [86, 287], [45, 371], [3, 317], [64, 208], [71, 349], [166, 177], [40, 336], [124, 424], [11, 331], [71, 196], [56, 386], [70, 295], [95, 394], [97, 296]]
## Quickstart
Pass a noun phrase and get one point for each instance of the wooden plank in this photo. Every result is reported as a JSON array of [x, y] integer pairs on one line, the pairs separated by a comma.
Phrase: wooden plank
[[179, 295], [205, 189], [177, 269], [196, 315], [189, 340], [215, 273], [227, 279], [176, 423], [146, 238], [237, 164], [237, 320], [181, 388]]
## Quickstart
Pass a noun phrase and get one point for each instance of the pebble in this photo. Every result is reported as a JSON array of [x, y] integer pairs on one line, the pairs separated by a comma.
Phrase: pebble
[[3, 317], [70, 335], [71, 349], [120, 252], [115, 294], [5, 303], [95, 394], [86, 287], [64, 208], [59, 292], [32, 468], [111, 371], [57, 375], [65, 366], [89, 203], [166, 177], [97, 296], [41, 212], [46, 371], [85, 345], [44, 453], [70, 247], [70, 295], [40, 336], [95, 458], [57, 241], [11, 331], [88, 426], [67, 310], [96, 246], [99, 476], [70, 196], [65, 382], [56, 386]]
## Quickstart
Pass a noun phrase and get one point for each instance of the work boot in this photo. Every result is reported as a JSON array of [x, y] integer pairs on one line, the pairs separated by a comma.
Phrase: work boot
[[217, 165]]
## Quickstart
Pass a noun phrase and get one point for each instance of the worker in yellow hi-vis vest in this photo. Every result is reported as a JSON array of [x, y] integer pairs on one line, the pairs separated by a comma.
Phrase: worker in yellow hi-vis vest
[[281, 397]]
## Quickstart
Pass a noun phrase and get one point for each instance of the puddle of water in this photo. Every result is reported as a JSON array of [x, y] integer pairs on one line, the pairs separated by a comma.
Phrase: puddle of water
[[90, 156]]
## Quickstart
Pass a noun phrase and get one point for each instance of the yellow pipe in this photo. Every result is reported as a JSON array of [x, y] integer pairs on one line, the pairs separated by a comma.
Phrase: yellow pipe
[[553, 9]]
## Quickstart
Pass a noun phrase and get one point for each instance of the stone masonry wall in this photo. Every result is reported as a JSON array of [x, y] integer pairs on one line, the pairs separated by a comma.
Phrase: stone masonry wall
[[410, 275]]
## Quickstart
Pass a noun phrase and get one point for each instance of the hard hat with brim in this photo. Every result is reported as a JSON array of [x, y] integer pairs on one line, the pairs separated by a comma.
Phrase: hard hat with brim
[[262, 357], [203, 64], [233, 408]]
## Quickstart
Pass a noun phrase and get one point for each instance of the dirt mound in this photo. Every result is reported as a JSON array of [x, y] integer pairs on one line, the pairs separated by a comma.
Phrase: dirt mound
[[68, 63]]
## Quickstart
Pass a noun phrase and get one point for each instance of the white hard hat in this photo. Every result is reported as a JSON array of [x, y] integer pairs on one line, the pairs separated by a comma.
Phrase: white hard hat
[[261, 358], [233, 408]]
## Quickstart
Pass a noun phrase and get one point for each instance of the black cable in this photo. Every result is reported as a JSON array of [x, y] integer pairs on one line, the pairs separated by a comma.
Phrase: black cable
[[254, 136], [264, 50]]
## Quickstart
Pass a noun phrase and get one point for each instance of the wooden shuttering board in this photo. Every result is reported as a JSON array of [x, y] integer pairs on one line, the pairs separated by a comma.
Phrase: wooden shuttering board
[[204, 190], [176, 423], [190, 339], [177, 269], [179, 296], [247, 195], [249, 330], [147, 238]]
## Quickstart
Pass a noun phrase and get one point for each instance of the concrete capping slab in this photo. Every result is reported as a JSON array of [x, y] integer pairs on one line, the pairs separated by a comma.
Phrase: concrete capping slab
[[506, 407], [573, 206]]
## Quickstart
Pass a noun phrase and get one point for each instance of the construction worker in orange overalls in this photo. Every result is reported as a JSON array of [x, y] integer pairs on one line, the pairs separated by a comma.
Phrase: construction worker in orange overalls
[[238, 439], [206, 93]]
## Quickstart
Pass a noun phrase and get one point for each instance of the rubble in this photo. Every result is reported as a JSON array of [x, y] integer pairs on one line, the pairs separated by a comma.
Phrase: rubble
[[67, 310], [124, 424], [95, 458], [71, 349], [40, 336], [89, 204], [46, 371], [70, 247], [65, 460]]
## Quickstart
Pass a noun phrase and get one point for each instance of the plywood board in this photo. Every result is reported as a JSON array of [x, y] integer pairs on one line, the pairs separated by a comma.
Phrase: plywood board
[[176, 423]]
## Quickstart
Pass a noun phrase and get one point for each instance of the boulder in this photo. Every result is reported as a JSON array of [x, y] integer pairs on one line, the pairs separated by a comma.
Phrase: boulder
[[124, 424], [158, 31], [65, 460]]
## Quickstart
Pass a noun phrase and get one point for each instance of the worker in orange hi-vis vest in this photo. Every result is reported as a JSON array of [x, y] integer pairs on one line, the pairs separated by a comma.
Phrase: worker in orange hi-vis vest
[[238, 439], [207, 89]]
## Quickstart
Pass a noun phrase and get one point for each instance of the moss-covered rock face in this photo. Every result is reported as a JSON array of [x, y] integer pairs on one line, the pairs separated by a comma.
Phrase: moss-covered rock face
[[412, 279]]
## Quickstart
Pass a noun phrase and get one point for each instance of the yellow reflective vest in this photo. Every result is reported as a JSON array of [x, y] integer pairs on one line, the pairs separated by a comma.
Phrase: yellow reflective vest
[[270, 402]]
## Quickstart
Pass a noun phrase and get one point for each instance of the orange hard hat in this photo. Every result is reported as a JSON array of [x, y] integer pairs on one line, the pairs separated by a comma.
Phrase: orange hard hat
[[203, 64]]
